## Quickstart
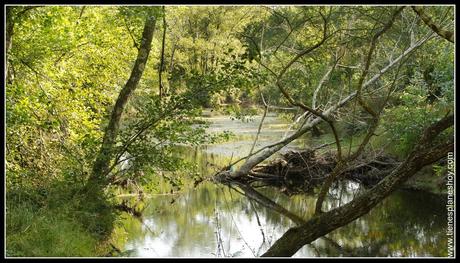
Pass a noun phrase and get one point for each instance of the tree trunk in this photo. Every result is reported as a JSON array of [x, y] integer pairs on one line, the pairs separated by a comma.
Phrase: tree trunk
[[8, 36], [9, 28], [295, 238], [448, 35], [160, 70], [102, 163]]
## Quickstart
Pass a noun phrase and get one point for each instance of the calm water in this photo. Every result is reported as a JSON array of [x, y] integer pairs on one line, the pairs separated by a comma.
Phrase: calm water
[[215, 221]]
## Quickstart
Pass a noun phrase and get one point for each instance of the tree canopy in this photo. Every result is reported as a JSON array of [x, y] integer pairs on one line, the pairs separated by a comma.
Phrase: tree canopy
[[90, 89]]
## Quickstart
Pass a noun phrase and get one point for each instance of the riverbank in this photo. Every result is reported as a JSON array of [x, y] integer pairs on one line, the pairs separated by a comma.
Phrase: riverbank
[[57, 222]]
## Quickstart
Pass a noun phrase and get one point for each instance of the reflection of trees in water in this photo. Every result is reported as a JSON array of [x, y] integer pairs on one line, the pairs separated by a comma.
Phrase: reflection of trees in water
[[400, 226], [328, 247]]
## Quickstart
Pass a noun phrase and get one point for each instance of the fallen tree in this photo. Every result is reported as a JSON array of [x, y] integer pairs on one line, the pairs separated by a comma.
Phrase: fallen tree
[[321, 224], [301, 171], [313, 117], [264, 153], [389, 177], [425, 153]]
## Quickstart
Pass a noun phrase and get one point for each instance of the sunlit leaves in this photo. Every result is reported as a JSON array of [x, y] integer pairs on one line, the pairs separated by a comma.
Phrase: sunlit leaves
[[68, 64]]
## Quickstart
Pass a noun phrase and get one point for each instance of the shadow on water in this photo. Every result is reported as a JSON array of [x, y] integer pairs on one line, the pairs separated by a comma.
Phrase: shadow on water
[[216, 221]]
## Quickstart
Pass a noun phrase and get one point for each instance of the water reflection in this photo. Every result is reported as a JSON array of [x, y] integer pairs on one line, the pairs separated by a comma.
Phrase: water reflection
[[215, 221]]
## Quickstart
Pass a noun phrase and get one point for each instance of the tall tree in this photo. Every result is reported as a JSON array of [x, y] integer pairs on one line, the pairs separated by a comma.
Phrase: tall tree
[[102, 163], [161, 69]]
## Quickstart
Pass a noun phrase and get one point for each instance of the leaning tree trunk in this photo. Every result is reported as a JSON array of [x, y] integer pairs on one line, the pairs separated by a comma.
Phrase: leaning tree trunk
[[8, 37], [9, 29], [102, 163], [322, 224], [12, 14], [446, 34]]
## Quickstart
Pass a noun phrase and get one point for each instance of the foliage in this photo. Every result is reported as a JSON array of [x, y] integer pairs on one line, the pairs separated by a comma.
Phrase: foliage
[[417, 105], [67, 65]]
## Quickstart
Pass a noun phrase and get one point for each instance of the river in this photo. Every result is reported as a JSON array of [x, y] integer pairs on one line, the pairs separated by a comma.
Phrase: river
[[215, 221]]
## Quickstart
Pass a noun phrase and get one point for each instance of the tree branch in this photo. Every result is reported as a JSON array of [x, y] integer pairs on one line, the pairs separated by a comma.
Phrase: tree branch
[[448, 35], [323, 224], [265, 152]]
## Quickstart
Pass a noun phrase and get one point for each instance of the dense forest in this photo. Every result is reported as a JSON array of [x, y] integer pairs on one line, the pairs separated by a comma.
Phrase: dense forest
[[111, 108]]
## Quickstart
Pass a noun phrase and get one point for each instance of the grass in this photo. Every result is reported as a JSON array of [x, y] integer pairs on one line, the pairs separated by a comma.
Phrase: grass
[[45, 233], [56, 224]]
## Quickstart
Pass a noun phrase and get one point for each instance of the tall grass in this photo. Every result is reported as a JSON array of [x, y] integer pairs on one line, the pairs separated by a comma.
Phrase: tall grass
[[45, 233], [56, 222]]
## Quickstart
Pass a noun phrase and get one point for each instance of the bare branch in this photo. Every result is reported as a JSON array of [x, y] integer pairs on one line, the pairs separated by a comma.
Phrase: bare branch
[[261, 122], [369, 57], [321, 82], [265, 152], [341, 165]]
